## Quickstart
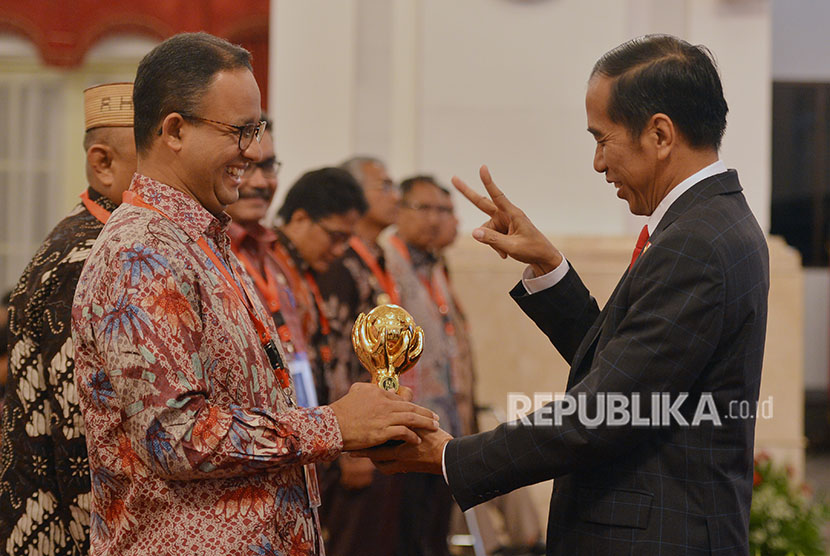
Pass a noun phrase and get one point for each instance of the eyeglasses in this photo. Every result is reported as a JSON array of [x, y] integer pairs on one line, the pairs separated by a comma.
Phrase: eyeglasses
[[337, 237], [247, 132], [270, 168], [387, 186], [423, 209]]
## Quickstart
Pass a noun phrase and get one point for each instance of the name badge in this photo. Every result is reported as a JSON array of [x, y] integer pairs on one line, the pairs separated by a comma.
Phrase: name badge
[[303, 380]]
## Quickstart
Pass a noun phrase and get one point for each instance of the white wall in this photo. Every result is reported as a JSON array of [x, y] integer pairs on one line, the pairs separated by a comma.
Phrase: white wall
[[799, 36], [442, 87]]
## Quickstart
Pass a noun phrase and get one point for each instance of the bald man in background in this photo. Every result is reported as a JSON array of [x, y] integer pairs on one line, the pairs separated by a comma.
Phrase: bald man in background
[[44, 474]]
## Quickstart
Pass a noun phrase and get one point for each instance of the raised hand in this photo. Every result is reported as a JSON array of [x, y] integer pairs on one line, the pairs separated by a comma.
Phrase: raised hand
[[369, 416], [509, 231]]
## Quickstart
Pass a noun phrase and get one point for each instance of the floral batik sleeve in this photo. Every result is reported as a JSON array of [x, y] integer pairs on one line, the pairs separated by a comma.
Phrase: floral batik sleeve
[[177, 376]]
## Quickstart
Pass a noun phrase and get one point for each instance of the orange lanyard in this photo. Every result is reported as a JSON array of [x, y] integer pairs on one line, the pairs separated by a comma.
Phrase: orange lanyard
[[303, 286], [99, 212], [432, 286], [264, 336], [386, 281], [267, 285]]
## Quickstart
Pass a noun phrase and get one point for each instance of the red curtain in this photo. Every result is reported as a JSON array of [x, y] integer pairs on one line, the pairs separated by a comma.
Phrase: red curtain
[[64, 31]]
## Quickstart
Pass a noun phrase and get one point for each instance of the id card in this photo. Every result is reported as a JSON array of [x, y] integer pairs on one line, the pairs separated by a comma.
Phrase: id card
[[311, 485], [303, 380]]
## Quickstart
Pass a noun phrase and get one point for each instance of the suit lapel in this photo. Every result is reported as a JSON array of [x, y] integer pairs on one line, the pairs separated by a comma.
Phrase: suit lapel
[[723, 183], [586, 348]]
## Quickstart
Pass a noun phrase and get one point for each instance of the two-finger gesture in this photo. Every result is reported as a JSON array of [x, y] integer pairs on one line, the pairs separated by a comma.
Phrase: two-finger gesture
[[509, 231]]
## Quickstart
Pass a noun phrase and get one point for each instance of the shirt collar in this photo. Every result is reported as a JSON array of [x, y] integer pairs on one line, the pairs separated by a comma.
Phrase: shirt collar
[[293, 252], [100, 199], [716, 167], [255, 232], [185, 211]]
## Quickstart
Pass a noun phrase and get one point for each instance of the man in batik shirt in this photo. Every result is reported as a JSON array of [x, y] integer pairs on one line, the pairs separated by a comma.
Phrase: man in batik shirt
[[443, 378], [196, 445], [317, 219], [44, 475], [361, 505], [252, 243]]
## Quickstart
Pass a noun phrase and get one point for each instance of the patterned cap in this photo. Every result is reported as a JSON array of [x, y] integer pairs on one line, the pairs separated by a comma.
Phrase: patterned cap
[[108, 105]]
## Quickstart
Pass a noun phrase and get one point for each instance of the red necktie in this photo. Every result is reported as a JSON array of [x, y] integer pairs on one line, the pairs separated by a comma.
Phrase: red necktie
[[641, 242]]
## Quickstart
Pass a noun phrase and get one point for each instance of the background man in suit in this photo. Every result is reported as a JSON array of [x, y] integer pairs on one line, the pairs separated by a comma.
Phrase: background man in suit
[[687, 318]]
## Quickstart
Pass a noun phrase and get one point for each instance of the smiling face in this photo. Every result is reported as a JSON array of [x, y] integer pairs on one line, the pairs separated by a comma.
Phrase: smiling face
[[257, 189], [629, 163], [212, 163]]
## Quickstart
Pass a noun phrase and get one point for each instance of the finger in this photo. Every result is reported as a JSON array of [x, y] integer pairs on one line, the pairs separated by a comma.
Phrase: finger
[[400, 406], [406, 393], [402, 433], [484, 204], [498, 241], [413, 421], [480, 234], [500, 200]]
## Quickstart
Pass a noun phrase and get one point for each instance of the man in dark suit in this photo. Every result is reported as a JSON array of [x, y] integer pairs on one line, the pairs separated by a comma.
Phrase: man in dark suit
[[681, 338]]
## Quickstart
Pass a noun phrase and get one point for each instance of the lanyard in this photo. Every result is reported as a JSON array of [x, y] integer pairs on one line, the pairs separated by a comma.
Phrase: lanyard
[[311, 292], [266, 285], [386, 281], [432, 286], [268, 345], [99, 212]]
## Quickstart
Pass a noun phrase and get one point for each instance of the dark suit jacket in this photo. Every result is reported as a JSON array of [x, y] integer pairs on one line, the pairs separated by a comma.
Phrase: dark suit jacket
[[690, 316]]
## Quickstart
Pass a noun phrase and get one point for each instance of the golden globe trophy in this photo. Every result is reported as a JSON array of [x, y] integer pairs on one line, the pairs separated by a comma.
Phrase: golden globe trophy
[[387, 342]]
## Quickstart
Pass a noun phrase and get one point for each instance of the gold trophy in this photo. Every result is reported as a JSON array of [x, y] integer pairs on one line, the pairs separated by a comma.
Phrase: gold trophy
[[387, 342]]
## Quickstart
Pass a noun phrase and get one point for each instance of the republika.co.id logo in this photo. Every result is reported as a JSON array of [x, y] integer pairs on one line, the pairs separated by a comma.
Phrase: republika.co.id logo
[[658, 409]]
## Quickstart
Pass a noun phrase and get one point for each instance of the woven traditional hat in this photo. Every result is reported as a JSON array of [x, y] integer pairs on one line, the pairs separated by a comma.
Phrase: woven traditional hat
[[109, 105]]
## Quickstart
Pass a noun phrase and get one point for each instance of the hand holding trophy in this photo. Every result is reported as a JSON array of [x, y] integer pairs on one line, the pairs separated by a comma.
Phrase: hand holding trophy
[[387, 342]]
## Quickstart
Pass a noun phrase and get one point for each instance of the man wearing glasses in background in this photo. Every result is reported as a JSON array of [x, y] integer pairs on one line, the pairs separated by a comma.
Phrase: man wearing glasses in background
[[196, 443], [443, 381], [359, 515], [252, 243], [317, 219]]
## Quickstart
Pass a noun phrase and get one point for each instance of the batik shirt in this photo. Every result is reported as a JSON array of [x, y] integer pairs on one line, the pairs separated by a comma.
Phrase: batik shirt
[[305, 311], [252, 244], [44, 474], [193, 447], [442, 380], [349, 288]]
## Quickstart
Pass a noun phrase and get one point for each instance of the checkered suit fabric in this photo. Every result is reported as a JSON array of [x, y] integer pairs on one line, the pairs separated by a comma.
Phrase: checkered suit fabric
[[688, 317]]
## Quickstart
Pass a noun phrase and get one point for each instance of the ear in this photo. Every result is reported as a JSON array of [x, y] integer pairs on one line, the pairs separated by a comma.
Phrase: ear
[[299, 217], [663, 134], [100, 159], [173, 131]]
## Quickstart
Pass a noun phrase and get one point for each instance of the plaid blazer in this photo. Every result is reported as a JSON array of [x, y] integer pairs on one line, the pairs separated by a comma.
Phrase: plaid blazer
[[688, 317]]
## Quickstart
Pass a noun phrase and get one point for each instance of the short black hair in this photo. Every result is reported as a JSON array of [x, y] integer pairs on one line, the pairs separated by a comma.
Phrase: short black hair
[[663, 74], [409, 183], [324, 192], [174, 76]]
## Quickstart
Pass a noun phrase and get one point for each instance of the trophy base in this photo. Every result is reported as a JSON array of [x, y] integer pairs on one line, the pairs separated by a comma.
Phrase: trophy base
[[389, 383]]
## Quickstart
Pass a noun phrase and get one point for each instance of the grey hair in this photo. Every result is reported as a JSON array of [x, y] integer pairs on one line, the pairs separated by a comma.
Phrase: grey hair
[[354, 166]]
